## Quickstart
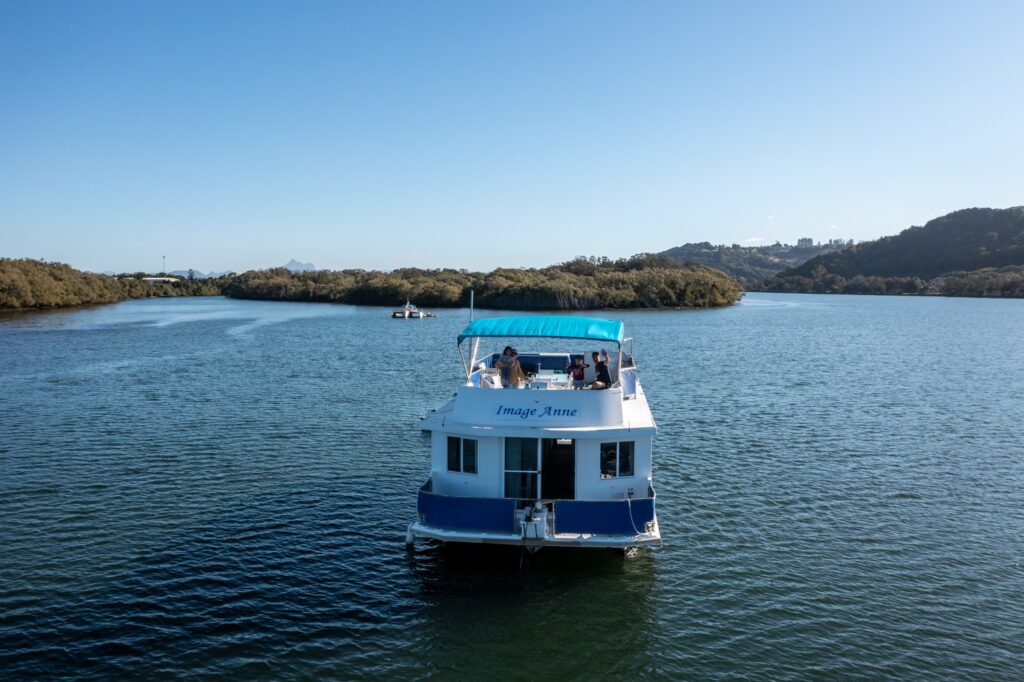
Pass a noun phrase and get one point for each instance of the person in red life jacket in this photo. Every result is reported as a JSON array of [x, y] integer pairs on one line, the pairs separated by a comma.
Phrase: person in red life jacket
[[577, 368]]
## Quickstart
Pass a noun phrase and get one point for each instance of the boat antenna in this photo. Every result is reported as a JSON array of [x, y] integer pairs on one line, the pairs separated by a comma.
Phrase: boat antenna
[[471, 305]]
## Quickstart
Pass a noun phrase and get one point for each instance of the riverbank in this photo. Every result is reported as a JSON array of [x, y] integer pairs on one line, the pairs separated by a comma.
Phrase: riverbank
[[581, 284]]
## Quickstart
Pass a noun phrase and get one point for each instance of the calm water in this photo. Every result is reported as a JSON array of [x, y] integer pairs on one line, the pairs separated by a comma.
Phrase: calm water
[[216, 488]]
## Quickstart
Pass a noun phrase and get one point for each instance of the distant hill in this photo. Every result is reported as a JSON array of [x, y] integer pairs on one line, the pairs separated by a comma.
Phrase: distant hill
[[749, 264], [296, 266], [972, 252], [197, 274]]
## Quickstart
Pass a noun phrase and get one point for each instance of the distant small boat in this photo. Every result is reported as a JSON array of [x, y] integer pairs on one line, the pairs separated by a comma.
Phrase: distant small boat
[[409, 312]]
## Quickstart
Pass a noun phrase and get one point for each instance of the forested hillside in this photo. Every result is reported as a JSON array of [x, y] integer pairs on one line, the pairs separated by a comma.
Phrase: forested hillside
[[749, 264], [973, 252]]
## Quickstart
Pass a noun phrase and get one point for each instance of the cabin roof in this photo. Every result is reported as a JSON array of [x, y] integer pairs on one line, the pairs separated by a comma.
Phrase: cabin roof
[[547, 326]]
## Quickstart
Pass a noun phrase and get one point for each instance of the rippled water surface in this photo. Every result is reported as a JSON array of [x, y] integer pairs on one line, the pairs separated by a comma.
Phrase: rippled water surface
[[216, 488]]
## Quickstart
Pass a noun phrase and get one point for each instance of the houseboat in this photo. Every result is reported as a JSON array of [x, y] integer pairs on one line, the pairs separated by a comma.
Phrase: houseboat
[[550, 460]]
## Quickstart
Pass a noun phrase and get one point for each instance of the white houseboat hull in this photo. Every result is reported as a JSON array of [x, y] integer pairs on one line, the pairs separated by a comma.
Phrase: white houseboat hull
[[594, 541], [539, 463]]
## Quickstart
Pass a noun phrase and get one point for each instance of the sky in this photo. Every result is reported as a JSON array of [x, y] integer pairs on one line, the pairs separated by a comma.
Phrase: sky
[[238, 135]]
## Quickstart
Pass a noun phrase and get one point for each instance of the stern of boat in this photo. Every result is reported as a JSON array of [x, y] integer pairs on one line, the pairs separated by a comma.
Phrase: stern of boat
[[615, 524]]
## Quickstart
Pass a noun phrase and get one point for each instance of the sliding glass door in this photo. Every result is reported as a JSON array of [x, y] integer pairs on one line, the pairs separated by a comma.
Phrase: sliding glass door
[[522, 468]]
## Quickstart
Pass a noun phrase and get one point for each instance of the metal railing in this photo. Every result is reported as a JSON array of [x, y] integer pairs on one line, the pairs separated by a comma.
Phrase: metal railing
[[628, 517]]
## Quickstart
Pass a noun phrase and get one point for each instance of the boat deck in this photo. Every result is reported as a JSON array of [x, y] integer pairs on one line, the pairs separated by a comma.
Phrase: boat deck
[[576, 523]]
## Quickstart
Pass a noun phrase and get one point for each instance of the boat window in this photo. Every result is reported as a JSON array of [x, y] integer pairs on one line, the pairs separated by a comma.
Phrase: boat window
[[462, 455], [521, 454], [609, 456], [454, 463], [626, 458], [469, 456], [617, 459], [532, 363]]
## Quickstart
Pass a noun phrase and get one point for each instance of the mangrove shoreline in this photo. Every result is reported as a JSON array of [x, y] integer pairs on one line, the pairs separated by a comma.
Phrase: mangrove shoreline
[[643, 281]]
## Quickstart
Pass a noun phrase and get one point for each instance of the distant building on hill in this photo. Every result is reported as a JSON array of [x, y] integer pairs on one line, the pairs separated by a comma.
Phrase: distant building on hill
[[804, 243], [160, 280]]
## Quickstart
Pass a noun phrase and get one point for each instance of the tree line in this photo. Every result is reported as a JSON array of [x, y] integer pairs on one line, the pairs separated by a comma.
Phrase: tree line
[[583, 283], [643, 281], [1005, 282], [28, 283]]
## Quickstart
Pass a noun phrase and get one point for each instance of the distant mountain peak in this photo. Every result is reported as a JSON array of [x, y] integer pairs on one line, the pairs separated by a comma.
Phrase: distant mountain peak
[[296, 266], [197, 274]]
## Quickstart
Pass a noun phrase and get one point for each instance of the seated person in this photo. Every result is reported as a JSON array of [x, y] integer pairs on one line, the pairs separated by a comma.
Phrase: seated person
[[577, 369], [604, 379]]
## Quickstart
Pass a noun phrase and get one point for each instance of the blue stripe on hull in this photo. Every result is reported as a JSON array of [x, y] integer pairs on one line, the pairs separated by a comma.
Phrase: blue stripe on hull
[[498, 515], [617, 517], [495, 515]]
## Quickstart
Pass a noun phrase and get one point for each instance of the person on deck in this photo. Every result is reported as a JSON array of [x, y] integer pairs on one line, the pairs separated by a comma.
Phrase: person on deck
[[603, 378], [503, 363], [576, 368], [516, 375]]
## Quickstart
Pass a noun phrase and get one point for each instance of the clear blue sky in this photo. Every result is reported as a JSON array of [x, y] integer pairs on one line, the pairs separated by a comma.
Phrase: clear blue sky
[[233, 135]]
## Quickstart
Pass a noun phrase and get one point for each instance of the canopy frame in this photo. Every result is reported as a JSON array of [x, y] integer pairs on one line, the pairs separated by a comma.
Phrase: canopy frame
[[539, 326]]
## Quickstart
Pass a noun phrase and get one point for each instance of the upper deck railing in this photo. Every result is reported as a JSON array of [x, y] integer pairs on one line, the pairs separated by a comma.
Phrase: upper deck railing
[[550, 371]]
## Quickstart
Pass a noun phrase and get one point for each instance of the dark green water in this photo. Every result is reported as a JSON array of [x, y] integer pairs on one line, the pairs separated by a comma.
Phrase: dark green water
[[215, 488]]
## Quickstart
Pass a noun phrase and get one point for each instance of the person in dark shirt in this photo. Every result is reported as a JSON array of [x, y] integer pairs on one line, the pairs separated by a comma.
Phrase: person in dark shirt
[[603, 378], [577, 367]]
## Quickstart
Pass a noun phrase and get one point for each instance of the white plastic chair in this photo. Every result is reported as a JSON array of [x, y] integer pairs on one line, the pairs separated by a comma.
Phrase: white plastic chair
[[490, 378]]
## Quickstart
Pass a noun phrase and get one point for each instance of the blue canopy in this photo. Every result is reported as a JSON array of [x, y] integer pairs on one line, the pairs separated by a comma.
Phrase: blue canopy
[[548, 326]]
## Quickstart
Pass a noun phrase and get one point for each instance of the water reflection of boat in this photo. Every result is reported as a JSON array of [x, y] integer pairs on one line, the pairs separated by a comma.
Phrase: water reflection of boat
[[457, 590], [409, 312], [546, 466]]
